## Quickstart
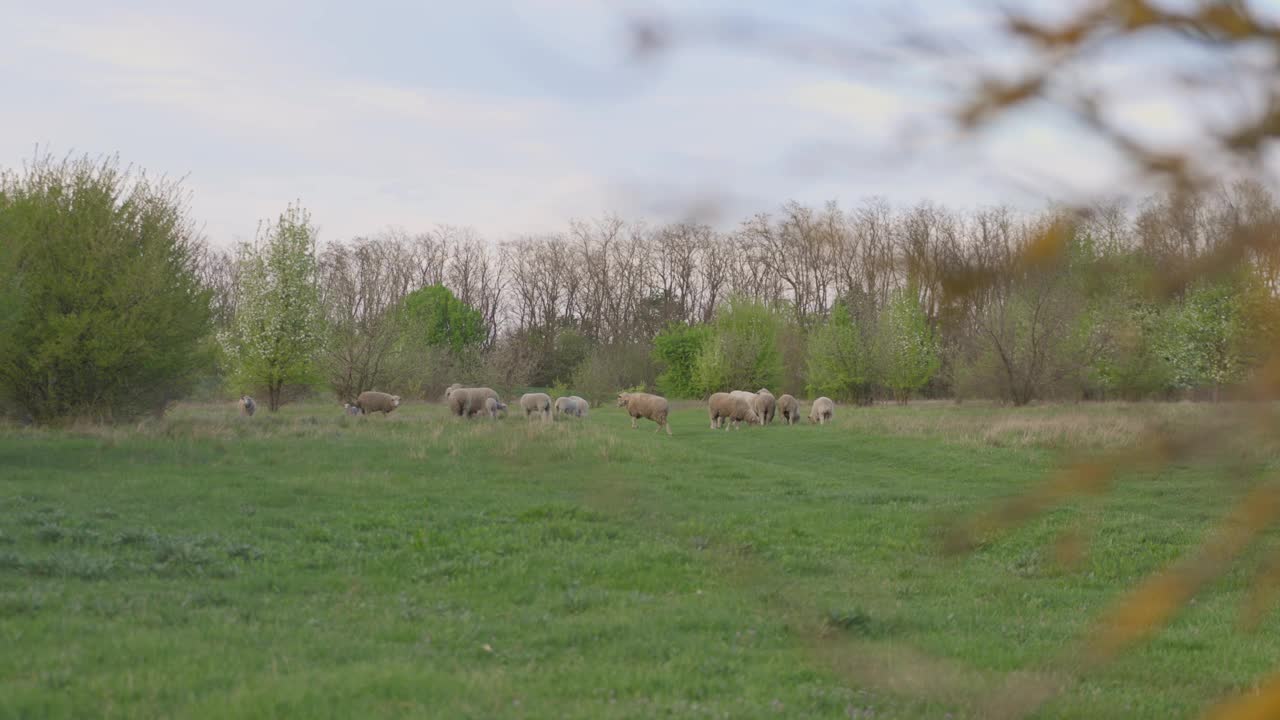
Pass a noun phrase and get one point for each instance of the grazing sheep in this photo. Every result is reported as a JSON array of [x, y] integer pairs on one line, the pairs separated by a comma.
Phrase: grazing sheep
[[465, 402], [371, 401], [350, 409], [734, 408], [539, 403], [494, 408], [751, 399], [789, 409], [822, 411], [766, 406], [644, 405], [571, 405], [247, 406]]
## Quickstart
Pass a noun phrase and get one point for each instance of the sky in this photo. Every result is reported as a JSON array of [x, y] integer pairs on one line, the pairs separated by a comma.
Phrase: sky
[[515, 117]]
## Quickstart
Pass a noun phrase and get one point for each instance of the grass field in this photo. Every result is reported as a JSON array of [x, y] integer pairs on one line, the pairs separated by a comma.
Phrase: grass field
[[313, 565]]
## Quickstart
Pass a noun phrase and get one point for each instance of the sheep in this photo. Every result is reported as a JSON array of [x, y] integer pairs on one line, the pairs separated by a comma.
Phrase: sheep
[[350, 409], [571, 405], [371, 401], [247, 406], [465, 402], [751, 399], [789, 409], [766, 406], [450, 389], [644, 405], [822, 411], [494, 408], [539, 403], [734, 408]]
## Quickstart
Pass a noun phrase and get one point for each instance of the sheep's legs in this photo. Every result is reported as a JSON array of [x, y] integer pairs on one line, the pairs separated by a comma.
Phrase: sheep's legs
[[633, 423]]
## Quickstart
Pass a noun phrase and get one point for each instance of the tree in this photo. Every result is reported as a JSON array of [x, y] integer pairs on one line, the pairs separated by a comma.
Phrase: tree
[[838, 359], [677, 348], [103, 313], [433, 317], [742, 352], [906, 349], [361, 287], [276, 335]]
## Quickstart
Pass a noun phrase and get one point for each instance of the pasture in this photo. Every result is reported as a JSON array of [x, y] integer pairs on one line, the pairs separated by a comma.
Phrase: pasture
[[311, 564]]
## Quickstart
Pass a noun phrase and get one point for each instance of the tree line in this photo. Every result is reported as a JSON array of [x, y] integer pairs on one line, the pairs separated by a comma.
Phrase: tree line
[[113, 305]]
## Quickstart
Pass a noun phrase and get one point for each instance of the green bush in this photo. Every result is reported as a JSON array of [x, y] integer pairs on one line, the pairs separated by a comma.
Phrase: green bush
[[742, 352], [677, 348], [103, 315], [839, 360]]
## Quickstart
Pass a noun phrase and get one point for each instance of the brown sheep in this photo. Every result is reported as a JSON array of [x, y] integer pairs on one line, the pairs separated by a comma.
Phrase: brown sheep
[[735, 409], [644, 405], [766, 406], [372, 401], [465, 402], [789, 409], [822, 411], [539, 403]]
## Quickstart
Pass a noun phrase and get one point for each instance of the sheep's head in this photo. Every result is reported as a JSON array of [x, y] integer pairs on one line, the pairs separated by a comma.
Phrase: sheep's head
[[395, 401], [622, 399], [763, 391]]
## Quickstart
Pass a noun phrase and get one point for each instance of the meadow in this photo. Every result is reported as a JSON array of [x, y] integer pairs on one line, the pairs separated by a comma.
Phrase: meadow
[[309, 564]]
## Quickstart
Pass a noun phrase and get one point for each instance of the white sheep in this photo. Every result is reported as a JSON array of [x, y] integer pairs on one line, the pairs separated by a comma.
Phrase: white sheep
[[571, 405], [823, 411], [539, 403]]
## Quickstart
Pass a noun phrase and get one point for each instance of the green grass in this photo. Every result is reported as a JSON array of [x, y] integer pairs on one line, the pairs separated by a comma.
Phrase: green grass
[[314, 565]]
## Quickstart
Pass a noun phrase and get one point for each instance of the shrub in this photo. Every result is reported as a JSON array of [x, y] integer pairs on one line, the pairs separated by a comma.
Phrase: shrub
[[839, 361], [677, 348], [101, 311], [742, 352]]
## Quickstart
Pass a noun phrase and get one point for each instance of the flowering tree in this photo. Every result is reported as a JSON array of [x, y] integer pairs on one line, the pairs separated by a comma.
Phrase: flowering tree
[[275, 336], [906, 348]]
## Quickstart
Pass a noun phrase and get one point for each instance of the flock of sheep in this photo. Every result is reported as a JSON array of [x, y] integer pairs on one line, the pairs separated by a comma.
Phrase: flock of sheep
[[725, 409]]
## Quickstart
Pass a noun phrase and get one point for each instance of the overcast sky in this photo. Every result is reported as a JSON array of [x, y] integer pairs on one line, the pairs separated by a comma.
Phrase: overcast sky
[[512, 117]]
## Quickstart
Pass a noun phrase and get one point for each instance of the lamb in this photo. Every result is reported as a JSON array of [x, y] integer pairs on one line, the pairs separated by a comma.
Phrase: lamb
[[539, 403], [350, 409], [766, 406], [752, 401], [734, 408], [644, 405], [789, 408], [247, 406], [465, 402], [495, 408], [371, 401], [822, 411], [571, 405]]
